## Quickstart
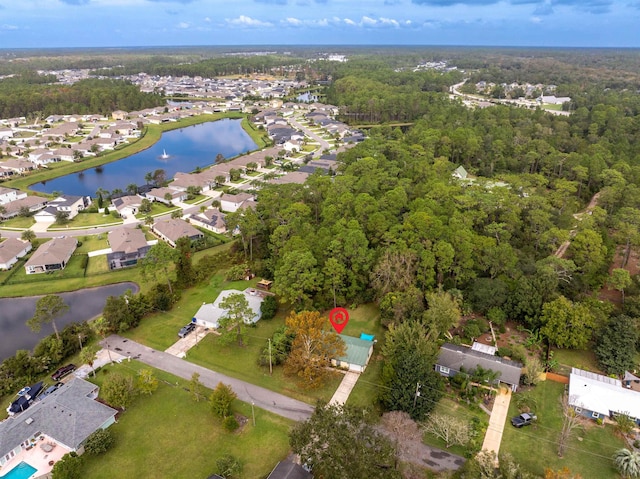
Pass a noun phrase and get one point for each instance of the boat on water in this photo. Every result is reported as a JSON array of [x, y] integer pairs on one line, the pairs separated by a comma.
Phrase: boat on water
[[26, 396], [164, 155]]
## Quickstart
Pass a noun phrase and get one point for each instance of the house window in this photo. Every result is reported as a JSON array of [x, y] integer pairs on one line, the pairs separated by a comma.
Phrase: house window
[[578, 410], [444, 370], [595, 415]]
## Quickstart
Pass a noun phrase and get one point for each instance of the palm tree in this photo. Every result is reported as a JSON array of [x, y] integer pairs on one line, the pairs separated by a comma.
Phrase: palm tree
[[88, 355], [132, 189], [28, 235], [148, 177], [627, 462]]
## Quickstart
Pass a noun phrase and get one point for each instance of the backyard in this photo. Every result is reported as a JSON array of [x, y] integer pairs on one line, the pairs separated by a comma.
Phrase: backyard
[[535, 447], [178, 437]]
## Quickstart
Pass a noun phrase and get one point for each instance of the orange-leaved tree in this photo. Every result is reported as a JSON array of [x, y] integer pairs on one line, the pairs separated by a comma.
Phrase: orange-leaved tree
[[314, 346]]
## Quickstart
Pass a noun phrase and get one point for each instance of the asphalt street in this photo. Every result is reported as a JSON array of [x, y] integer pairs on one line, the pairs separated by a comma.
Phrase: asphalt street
[[261, 397]]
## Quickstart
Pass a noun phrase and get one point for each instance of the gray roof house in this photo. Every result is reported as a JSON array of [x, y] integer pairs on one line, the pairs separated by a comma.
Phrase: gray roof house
[[289, 470], [11, 250], [128, 245], [454, 359], [209, 314], [67, 416], [52, 255], [212, 219], [174, 229]]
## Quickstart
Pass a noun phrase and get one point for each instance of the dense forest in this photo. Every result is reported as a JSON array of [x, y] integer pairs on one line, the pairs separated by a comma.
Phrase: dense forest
[[30, 94]]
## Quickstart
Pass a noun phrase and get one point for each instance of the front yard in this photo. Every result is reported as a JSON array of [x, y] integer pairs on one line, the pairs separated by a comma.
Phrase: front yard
[[168, 434], [535, 447]]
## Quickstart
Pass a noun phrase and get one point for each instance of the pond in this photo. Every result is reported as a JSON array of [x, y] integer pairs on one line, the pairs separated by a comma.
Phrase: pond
[[183, 150], [84, 304]]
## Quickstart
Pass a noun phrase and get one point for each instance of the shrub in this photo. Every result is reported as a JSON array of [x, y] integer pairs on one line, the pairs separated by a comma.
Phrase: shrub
[[230, 423], [229, 466], [505, 351], [99, 442], [269, 307]]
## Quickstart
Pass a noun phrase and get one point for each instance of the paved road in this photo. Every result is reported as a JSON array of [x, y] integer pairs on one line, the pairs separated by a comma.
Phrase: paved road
[[261, 397]]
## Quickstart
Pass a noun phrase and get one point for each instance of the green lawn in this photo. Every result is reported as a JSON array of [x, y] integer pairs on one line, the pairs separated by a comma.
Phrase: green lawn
[[98, 265], [168, 435], [157, 208], [535, 447], [92, 243], [73, 269], [19, 222], [582, 359], [83, 220]]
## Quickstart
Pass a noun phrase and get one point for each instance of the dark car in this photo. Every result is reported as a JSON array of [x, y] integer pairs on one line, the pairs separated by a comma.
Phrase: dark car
[[26, 397], [186, 329], [49, 390], [63, 371], [523, 419]]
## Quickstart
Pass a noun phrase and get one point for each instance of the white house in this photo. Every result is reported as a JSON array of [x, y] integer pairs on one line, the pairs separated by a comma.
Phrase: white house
[[9, 194], [11, 250], [357, 355], [233, 203], [601, 397], [209, 314]]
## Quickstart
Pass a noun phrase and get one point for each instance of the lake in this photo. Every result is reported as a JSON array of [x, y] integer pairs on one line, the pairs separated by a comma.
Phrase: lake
[[187, 149], [83, 305]]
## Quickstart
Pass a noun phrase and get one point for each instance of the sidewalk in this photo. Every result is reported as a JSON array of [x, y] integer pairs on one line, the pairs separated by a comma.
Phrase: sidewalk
[[346, 386], [180, 347], [493, 437]]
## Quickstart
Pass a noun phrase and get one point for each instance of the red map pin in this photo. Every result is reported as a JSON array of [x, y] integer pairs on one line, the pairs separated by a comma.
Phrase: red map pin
[[339, 317]]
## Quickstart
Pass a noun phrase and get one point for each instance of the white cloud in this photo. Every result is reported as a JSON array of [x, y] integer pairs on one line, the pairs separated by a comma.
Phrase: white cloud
[[244, 21], [390, 21], [348, 21], [536, 20], [8, 27], [293, 21], [207, 19], [183, 25], [367, 21]]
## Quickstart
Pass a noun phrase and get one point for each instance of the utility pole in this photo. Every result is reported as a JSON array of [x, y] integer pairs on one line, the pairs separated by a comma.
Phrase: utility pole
[[415, 398], [270, 365], [253, 413]]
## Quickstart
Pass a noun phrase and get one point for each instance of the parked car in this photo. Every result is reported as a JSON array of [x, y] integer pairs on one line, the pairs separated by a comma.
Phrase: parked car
[[63, 371], [49, 390], [523, 419], [186, 329]]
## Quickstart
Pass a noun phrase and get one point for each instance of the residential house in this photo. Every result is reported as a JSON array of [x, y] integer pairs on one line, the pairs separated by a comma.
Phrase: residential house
[[65, 154], [128, 205], [128, 246], [454, 359], [161, 195], [600, 397], [289, 470], [209, 314], [65, 418], [119, 115], [8, 195], [357, 355], [71, 204], [460, 173], [211, 219], [233, 203], [174, 229], [11, 250], [18, 165], [30, 203], [297, 177], [53, 255]]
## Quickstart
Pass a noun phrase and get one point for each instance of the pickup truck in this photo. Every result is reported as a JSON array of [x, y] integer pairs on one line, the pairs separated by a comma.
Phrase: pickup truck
[[523, 419]]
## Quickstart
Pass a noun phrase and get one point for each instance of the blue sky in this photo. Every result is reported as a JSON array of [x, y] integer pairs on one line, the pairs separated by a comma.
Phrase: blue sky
[[103, 23]]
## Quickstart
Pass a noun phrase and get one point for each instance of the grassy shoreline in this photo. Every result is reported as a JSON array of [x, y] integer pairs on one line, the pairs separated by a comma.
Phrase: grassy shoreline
[[151, 135]]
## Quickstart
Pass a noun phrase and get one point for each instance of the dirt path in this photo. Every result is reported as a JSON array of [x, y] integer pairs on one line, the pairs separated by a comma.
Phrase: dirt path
[[560, 252]]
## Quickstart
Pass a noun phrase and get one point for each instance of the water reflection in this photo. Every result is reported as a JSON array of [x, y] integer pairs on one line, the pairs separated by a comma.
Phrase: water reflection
[[189, 148]]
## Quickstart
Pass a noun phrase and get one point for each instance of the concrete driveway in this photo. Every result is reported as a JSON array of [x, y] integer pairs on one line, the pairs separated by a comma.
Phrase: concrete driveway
[[493, 436], [261, 397]]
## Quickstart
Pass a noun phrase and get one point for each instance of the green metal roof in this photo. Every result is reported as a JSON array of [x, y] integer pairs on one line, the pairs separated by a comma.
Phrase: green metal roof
[[357, 350]]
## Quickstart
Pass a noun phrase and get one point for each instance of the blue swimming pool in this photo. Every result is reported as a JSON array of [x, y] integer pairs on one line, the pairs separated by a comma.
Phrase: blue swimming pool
[[21, 471]]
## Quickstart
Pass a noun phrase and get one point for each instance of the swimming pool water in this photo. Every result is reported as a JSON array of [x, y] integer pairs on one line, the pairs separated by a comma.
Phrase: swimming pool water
[[21, 471]]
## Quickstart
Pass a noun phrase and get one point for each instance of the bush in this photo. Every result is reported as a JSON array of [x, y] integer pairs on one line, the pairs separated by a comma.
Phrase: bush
[[269, 307], [99, 442], [505, 351], [229, 466], [69, 467], [230, 423]]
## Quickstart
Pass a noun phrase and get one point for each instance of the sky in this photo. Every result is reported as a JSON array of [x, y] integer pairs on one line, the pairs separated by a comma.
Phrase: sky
[[121, 23]]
